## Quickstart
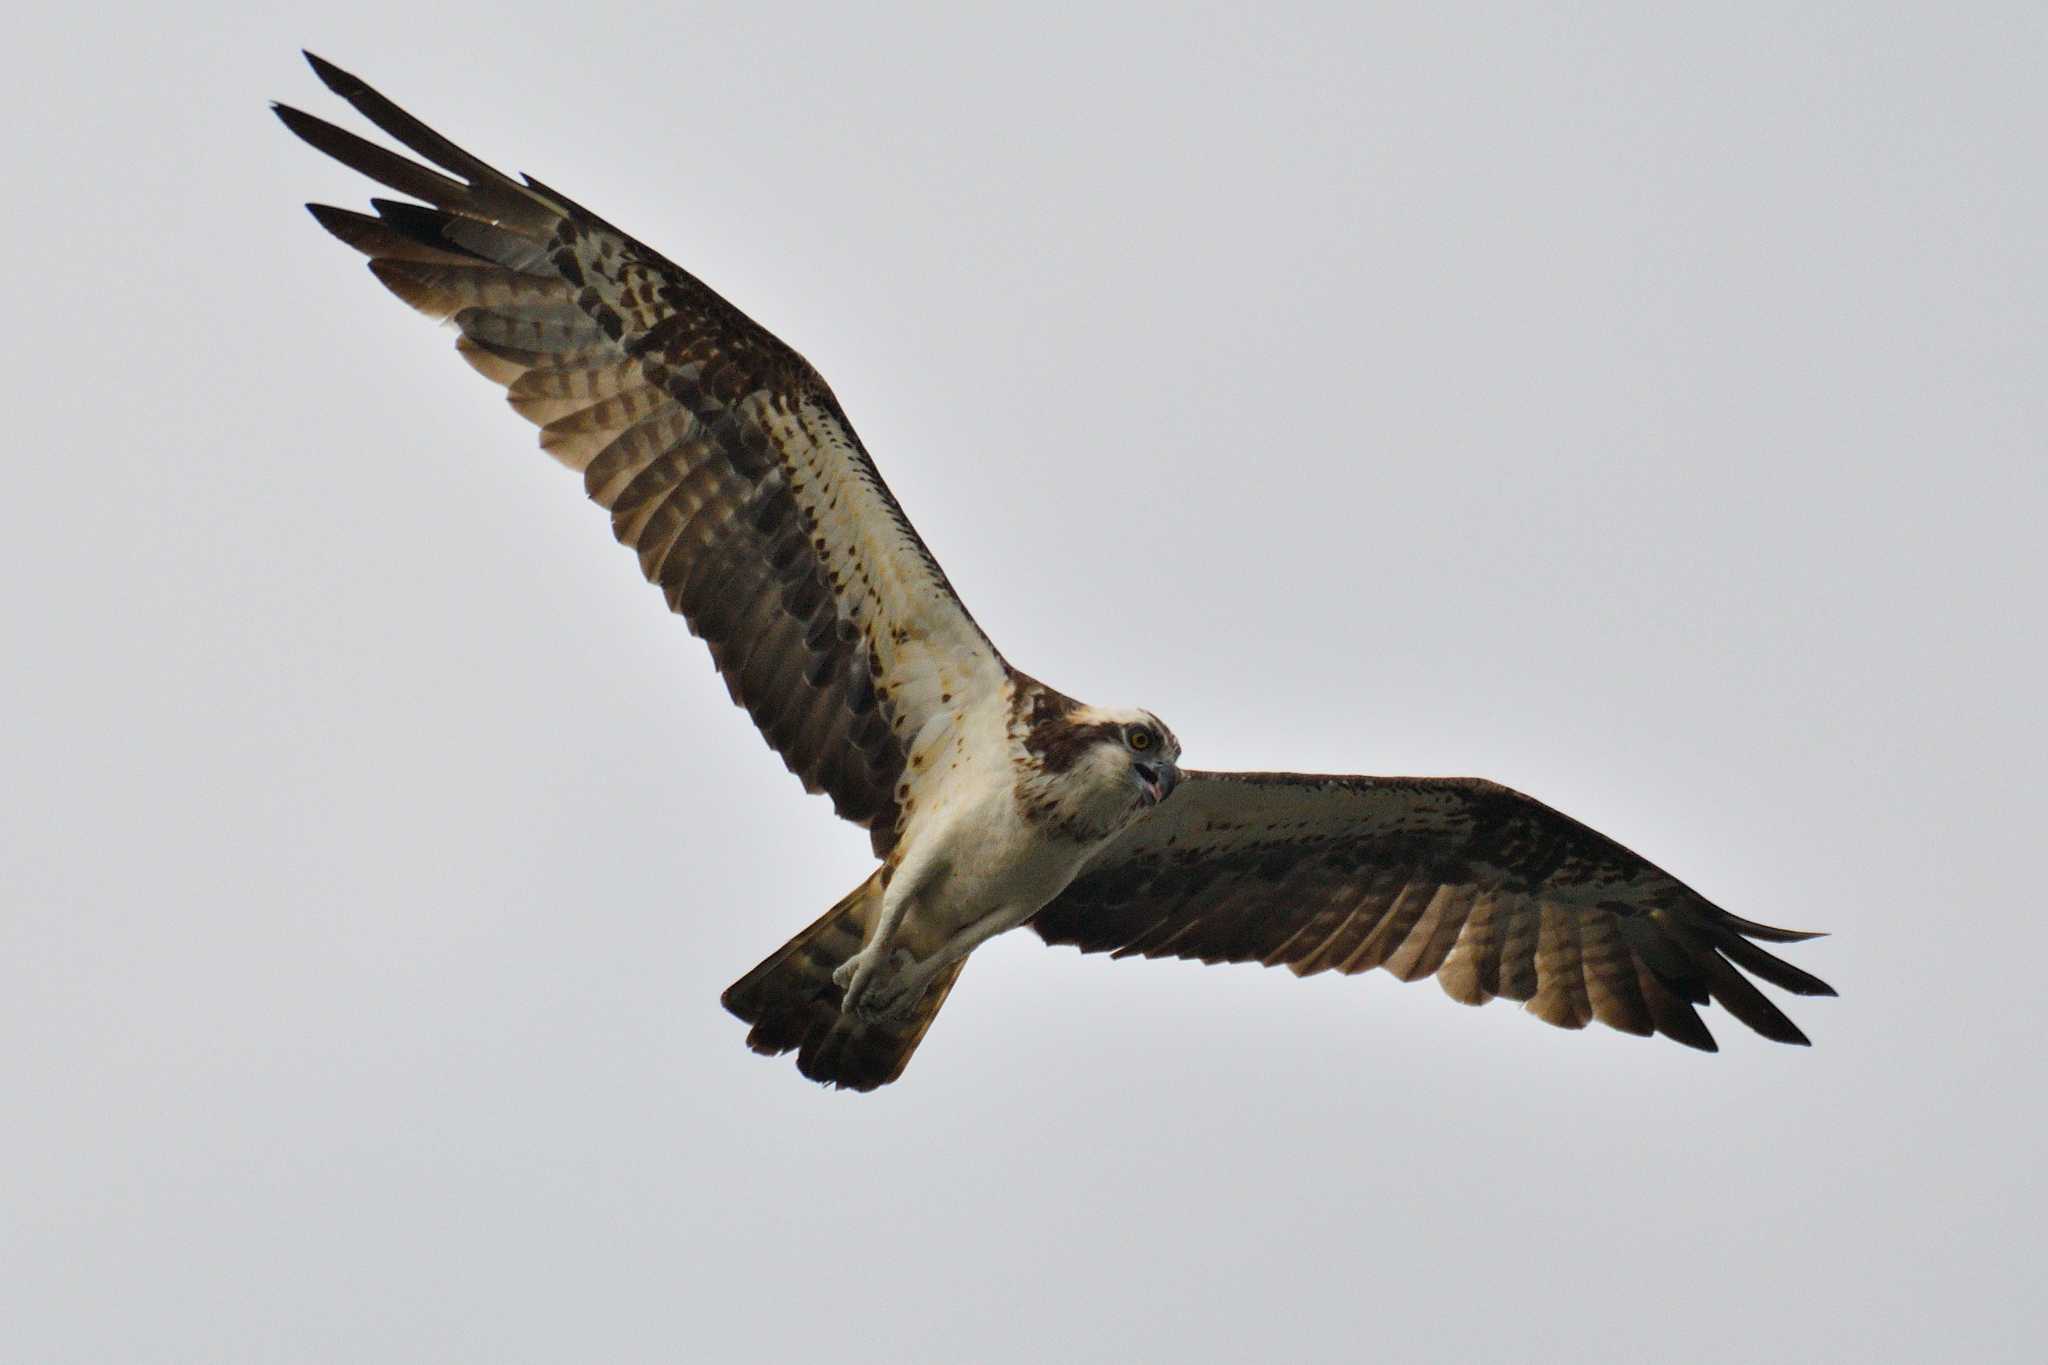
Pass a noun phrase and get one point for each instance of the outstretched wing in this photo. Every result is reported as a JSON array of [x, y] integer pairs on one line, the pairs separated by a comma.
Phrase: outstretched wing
[[1489, 891], [723, 458]]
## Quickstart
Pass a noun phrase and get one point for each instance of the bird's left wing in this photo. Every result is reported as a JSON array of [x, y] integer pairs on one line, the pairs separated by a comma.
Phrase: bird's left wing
[[723, 458], [1491, 892]]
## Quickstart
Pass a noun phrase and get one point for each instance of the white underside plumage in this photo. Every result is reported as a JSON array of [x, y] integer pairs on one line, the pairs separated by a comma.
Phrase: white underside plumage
[[971, 861]]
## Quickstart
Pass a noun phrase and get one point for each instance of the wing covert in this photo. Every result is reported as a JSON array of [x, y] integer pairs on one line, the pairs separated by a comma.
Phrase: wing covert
[[1491, 892], [724, 460]]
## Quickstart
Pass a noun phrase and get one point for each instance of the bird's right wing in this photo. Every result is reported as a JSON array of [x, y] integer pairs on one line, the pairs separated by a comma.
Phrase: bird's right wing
[[1489, 891], [723, 458]]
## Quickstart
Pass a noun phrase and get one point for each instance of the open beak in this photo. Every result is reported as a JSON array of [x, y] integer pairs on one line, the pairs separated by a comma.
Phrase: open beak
[[1156, 781]]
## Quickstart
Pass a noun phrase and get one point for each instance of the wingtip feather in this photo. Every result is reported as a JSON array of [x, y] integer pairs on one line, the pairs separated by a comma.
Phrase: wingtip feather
[[1767, 967], [294, 118], [1770, 933], [333, 77]]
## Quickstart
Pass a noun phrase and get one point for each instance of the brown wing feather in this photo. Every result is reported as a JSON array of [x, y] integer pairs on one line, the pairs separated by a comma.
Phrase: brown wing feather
[[723, 458], [1489, 891]]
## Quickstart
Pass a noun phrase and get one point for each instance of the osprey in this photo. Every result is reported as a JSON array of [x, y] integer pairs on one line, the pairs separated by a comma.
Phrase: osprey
[[992, 800]]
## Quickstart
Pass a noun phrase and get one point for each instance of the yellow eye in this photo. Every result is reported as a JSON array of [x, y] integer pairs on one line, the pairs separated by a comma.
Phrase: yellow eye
[[1141, 740]]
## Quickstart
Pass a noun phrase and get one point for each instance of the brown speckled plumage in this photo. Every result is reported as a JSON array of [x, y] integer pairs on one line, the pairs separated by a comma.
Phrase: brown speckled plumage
[[1053, 738], [1494, 894], [680, 413]]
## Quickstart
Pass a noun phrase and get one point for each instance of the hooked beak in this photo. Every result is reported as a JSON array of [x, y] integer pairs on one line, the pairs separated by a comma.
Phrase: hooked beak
[[1156, 781]]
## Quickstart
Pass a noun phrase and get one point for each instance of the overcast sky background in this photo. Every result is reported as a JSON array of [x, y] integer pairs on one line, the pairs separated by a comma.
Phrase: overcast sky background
[[1645, 410]]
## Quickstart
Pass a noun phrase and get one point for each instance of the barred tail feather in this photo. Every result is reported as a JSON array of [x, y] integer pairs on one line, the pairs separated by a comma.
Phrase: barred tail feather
[[792, 1003]]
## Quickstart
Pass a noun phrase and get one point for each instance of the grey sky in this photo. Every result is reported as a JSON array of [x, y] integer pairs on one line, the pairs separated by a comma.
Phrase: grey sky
[[1641, 407]]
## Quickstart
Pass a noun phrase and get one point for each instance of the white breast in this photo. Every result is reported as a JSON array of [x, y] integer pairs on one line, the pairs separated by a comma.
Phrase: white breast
[[966, 840]]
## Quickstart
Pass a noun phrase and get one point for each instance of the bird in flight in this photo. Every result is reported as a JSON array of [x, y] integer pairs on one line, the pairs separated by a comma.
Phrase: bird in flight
[[991, 799]]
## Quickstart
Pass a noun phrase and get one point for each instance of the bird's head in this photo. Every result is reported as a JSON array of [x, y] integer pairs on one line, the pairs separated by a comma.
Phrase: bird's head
[[1130, 753], [1154, 756], [1091, 770]]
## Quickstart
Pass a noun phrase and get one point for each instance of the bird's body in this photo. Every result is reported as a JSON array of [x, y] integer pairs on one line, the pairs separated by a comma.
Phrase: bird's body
[[993, 801], [970, 851], [1000, 810]]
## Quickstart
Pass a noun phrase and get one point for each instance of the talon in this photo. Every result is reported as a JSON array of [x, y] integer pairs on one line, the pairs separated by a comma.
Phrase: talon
[[856, 978], [843, 974], [892, 996], [878, 1007]]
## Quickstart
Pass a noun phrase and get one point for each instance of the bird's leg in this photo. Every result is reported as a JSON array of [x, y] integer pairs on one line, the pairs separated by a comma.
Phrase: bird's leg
[[857, 975], [894, 996]]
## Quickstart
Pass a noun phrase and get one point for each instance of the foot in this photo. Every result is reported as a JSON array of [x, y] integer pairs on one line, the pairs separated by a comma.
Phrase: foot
[[885, 992], [867, 973], [843, 975]]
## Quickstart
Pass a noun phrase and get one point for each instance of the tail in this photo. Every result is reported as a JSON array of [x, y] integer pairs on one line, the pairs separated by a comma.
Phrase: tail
[[791, 1002]]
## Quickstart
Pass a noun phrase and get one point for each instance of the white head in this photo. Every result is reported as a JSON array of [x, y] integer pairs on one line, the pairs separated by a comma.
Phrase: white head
[[1102, 767]]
